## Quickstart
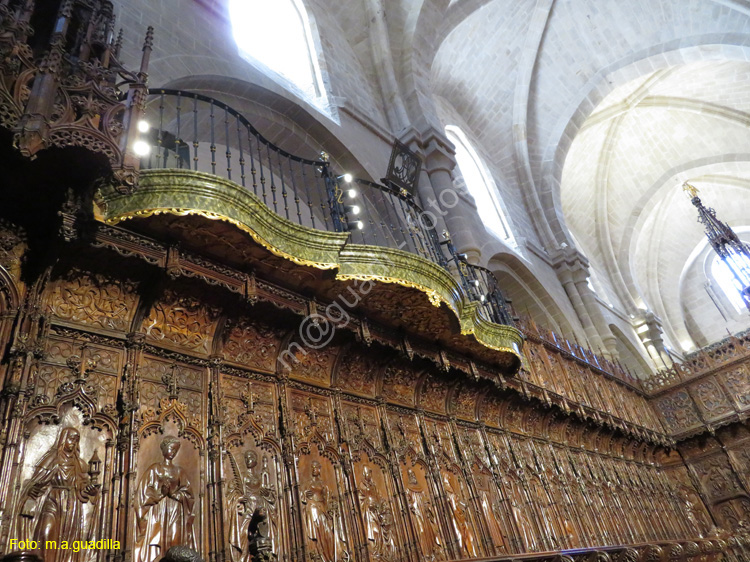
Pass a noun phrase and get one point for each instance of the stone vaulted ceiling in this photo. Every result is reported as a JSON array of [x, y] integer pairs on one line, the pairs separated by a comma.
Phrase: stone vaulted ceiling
[[594, 113]]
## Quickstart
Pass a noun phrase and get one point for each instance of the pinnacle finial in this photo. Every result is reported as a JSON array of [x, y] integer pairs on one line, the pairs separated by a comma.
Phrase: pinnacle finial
[[690, 189]]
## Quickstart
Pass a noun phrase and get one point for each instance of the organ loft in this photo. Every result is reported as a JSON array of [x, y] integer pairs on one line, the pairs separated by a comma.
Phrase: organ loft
[[222, 331]]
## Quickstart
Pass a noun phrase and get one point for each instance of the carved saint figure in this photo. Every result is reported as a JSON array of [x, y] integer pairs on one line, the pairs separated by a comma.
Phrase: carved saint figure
[[320, 517], [490, 511], [253, 492], [53, 499], [423, 516], [694, 511], [164, 507], [460, 519], [377, 517]]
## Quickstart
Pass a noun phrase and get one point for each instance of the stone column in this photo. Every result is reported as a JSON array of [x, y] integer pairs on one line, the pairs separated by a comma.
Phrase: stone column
[[439, 162], [580, 277], [649, 330], [573, 271], [565, 275]]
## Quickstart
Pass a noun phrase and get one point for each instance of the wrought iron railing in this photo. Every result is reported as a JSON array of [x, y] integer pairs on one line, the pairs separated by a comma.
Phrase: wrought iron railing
[[195, 132]]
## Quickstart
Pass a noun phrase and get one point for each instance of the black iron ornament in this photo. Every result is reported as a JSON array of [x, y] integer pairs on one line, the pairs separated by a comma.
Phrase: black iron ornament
[[725, 242], [403, 168]]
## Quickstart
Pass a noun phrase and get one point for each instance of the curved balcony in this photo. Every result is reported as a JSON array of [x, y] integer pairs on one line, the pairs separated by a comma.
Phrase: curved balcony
[[302, 209]]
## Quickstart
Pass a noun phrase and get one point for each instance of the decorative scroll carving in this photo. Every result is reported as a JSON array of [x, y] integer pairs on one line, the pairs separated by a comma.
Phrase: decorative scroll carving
[[677, 411], [738, 383], [94, 300], [253, 345], [434, 393], [165, 499], [314, 365], [711, 398], [717, 478], [183, 321], [399, 384], [357, 373]]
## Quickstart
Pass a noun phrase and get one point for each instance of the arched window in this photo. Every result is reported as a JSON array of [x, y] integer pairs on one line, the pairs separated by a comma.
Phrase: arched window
[[728, 281], [275, 35], [480, 184]]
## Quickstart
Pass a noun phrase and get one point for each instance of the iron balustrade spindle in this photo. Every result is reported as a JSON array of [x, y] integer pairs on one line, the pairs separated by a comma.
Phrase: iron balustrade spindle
[[213, 141], [178, 140], [262, 174], [273, 179], [296, 195], [253, 171], [307, 193], [161, 131], [226, 136], [283, 186], [242, 156], [323, 191], [195, 133]]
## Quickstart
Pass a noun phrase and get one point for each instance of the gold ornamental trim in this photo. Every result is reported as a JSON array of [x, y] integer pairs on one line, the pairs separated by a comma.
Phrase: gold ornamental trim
[[432, 295]]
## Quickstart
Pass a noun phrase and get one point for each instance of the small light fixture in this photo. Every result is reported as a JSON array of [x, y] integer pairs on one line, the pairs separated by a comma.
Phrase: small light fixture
[[347, 178], [352, 209], [355, 225], [143, 126], [141, 148], [352, 193]]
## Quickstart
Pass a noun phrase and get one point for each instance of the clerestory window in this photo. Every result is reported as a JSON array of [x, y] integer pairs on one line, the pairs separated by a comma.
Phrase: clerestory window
[[275, 36], [727, 280], [480, 184]]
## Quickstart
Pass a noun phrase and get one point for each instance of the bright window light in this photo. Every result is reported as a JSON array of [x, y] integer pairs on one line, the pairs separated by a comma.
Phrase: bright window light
[[480, 184], [728, 282], [276, 34]]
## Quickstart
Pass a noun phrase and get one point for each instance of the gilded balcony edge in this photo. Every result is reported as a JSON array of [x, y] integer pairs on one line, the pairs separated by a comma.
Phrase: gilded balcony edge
[[187, 192], [182, 192], [390, 265], [497, 337]]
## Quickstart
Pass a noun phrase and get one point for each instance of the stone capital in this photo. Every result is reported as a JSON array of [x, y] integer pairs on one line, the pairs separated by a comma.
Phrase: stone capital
[[570, 263], [438, 151]]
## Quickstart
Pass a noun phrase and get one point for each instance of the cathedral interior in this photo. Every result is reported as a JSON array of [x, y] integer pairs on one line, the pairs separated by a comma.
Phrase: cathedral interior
[[374, 280]]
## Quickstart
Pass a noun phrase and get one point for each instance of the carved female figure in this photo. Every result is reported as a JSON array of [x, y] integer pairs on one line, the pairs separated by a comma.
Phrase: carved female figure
[[53, 499], [320, 527], [423, 517], [164, 507]]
